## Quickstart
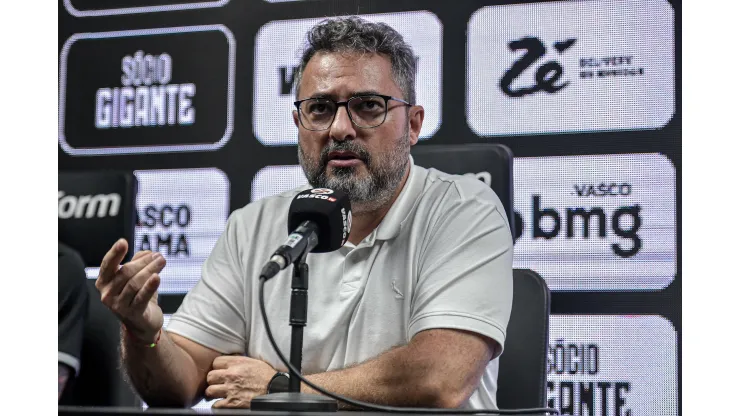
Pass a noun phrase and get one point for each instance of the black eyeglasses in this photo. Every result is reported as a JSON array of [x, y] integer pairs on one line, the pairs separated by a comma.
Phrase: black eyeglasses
[[365, 111]]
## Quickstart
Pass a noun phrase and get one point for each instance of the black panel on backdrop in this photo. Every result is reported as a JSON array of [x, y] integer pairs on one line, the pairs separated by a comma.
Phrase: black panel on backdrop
[[84, 5], [95, 210], [154, 90]]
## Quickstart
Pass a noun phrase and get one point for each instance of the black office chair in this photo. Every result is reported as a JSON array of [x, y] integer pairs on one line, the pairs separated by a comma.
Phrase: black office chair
[[99, 208], [522, 370]]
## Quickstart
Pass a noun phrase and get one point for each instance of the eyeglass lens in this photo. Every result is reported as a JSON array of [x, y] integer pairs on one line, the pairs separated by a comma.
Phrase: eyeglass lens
[[365, 111]]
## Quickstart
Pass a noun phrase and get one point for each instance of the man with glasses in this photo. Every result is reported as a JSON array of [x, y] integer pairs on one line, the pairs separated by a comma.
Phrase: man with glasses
[[412, 311]]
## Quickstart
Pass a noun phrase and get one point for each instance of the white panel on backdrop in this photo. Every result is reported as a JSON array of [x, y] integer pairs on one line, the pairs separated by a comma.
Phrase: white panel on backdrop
[[181, 214], [570, 66], [612, 365], [604, 222], [86, 8], [588, 222], [277, 57]]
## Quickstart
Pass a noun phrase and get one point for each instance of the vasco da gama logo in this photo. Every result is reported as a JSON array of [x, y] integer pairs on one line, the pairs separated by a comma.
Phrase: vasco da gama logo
[[147, 91]]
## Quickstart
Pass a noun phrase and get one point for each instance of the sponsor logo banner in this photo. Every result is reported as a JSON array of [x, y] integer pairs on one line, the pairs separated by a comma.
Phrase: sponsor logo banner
[[147, 91], [570, 66], [278, 52], [584, 223], [612, 365], [604, 222], [181, 213], [86, 8]]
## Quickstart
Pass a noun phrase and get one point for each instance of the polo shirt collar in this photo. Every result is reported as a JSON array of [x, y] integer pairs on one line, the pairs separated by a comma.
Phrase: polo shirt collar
[[394, 220]]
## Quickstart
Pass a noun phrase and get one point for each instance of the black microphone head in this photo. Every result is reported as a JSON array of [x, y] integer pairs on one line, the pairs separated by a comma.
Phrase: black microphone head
[[329, 209]]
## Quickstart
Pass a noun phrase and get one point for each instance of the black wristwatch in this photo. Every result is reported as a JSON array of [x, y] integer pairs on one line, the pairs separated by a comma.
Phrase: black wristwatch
[[279, 383]]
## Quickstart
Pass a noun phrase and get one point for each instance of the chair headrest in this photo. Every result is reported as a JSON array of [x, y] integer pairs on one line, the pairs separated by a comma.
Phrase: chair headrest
[[96, 208]]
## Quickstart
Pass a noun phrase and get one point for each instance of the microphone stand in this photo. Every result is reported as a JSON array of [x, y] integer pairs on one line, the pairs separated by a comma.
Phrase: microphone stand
[[294, 400]]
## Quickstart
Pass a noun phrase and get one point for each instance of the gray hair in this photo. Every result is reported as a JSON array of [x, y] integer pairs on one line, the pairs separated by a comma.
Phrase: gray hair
[[352, 34]]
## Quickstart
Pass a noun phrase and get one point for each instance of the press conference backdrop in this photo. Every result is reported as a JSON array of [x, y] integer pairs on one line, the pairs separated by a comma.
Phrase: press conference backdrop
[[195, 97]]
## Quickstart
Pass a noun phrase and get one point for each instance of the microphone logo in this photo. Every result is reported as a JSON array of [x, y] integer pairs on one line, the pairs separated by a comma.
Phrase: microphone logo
[[346, 224], [322, 191]]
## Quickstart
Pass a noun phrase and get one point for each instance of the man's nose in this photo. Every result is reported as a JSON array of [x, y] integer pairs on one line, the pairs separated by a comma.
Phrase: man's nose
[[342, 127]]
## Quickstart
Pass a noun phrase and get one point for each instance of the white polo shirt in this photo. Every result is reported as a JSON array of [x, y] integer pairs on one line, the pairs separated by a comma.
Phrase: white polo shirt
[[441, 258]]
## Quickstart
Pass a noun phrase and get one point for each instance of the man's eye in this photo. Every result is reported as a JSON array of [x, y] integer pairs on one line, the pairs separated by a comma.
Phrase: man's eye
[[370, 105], [318, 108]]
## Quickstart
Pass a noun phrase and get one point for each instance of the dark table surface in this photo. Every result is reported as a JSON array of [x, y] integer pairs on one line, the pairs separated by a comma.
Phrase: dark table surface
[[115, 411]]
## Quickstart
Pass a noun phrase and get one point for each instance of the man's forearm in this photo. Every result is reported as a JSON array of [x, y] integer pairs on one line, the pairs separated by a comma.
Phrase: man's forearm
[[163, 375], [398, 377]]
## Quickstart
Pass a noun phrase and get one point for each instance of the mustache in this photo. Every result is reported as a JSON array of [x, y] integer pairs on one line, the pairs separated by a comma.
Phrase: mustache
[[345, 146]]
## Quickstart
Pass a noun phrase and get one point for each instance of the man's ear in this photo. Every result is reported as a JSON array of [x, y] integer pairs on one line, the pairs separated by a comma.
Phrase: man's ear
[[295, 118], [416, 119]]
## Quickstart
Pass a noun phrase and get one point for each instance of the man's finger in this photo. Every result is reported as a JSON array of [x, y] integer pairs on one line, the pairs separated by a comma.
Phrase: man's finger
[[112, 260], [224, 361], [221, 404], [139, 254], [232, 403], [136, 265], [128, 271], [216, 391], [215, 377], [135, 284], [141, 300]]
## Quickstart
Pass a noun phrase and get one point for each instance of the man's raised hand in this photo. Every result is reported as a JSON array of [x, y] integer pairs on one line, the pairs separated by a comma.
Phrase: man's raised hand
[[130, 290]]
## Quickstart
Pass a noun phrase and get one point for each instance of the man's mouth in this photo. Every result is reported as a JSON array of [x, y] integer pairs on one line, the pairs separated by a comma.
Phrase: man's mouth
[[344, 159]]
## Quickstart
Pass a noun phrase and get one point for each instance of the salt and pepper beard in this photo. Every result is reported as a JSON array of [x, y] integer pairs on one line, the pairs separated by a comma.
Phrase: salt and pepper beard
[[369, 192]]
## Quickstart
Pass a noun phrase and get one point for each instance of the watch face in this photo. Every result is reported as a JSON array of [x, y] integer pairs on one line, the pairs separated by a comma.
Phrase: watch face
[[279, 384]]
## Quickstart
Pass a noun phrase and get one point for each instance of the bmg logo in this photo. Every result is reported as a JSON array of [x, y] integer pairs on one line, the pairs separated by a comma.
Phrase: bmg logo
[[582, 222], [585, 223]]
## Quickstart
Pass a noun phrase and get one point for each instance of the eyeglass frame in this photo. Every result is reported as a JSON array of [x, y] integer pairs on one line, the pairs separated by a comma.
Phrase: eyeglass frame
[[345, 104]]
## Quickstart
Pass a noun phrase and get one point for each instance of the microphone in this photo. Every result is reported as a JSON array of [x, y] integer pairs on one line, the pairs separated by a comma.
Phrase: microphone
[[319, 221]]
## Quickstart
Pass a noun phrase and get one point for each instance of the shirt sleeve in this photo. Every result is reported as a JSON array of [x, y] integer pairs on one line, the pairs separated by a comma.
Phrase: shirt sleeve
[[465, 275], [213, 312], [73, 304]]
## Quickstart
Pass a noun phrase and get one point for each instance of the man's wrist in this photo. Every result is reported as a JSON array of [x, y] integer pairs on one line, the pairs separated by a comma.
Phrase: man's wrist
[[148, 340]]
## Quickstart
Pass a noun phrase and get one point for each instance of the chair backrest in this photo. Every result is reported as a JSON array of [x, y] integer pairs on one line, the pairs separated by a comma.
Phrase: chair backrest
[[492, 163], [522, 374]]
